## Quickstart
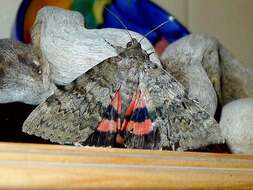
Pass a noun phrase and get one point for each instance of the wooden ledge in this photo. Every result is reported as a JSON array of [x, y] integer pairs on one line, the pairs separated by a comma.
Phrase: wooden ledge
[[33, 166]]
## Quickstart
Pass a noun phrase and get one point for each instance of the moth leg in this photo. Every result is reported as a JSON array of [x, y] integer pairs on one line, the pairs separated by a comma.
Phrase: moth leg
[[78, 144]]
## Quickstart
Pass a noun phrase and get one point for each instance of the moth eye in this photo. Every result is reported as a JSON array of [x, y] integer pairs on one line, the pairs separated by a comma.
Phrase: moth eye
[[129, 44]]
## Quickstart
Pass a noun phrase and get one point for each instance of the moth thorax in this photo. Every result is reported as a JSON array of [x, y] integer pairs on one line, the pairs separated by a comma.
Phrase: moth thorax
[[137, 55]]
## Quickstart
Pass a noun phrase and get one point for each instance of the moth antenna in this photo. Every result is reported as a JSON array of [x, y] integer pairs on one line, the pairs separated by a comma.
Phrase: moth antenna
[[151, 53], [160, 25], [122, 23], [149, 49]]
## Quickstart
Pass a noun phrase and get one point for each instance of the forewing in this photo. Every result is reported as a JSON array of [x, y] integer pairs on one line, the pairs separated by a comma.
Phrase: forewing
[[72, 114], [183, 124]]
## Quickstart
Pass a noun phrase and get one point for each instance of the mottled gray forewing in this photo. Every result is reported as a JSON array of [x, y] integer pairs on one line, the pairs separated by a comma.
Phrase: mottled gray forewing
[[183, 123], [72, 113]]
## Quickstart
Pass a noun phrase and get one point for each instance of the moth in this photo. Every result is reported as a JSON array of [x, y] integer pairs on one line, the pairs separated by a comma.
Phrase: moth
[[124, 101]]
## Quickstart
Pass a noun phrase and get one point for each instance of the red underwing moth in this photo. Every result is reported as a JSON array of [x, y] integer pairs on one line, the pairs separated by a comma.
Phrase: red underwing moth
[[125, 100]]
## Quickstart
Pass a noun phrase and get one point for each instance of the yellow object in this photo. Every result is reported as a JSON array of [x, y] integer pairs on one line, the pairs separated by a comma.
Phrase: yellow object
[[98, 9]]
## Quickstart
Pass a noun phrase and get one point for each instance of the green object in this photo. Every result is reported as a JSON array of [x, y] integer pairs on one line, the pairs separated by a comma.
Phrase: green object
[[85, 7]]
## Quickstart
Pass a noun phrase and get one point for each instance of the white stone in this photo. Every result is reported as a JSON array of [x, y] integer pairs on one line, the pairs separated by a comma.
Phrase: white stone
[[237, 125], [186, 60]]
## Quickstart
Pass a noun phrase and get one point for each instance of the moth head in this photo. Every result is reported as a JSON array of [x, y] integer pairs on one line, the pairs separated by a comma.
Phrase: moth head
[[133, 44], [134, 51]]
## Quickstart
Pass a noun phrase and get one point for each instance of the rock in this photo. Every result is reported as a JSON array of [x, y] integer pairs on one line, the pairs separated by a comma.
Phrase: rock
[[70, 49], [237, 80], [24, 74], [194, 61], [237, 125], [195, 57]]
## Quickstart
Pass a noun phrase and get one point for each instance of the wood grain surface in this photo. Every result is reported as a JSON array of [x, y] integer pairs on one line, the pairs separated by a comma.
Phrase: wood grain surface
[[35, 166]]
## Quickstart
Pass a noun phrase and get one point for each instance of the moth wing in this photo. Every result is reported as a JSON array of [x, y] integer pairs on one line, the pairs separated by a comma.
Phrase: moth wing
[[105, 133], [182, 122], [138, 126], [72, 114]]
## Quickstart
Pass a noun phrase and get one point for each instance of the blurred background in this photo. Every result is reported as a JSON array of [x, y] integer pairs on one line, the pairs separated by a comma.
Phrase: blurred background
[[231, 21]]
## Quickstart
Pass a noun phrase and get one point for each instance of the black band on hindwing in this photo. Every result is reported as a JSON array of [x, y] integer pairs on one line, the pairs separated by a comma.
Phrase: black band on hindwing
[[111, 113]]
